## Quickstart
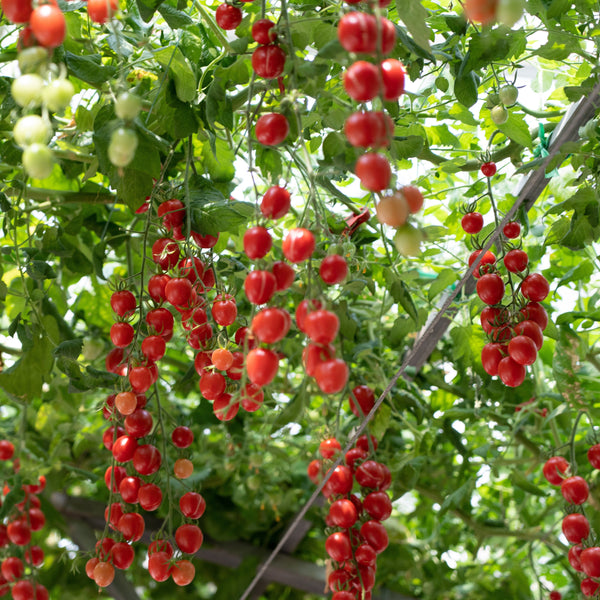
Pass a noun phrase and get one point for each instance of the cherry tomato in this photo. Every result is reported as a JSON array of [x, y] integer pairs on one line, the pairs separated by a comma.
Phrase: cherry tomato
[[575, 490], [268, 61], [275, 203], [260, 286], [263, 31], [472, 222], [374, 171], [272, 128], [362, 81], [511, 372], [228, 17], [488, 169], [48, 24]]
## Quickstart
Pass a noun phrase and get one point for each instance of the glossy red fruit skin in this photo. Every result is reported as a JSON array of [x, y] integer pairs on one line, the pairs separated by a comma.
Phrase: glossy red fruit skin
[[362, 81], [593, 455], [17, 11], [305, 307], [132, 526], [535, 287], [48, 24], [512, 230], [182, 436], [490, 288], [146, 459], [516, 260], [260, 286], [574, 557], [536, 312], [333, 269], [369, 129], [338, 546], [511, 373], [488, 169], [329, 447], [590, 561], [472, 223], [298, 245], [378, 505], [150, 496], [123, 303], [262, 365], [522, 349], [284, 275], [322, 326], [228, 17], [374, 171], [257, 242], [553, 468], [122, 555], [362, 400], [485, 265], [189, 538], [392, 75], [589, 587], [575, 528], [192, 505], [7, 450], [271, 325], [262, 31], [532, 330], [357, 32], [159, 566], [332, 375], [272, 128], [375, 535], [575, 490], [268, 61], [275, 203]]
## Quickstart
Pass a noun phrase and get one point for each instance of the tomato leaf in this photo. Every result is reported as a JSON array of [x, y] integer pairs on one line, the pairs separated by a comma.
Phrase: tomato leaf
[[89, 68], [173, 60], [516, 129], [465, 88], [69, 348], [519, 480], [414, 15]]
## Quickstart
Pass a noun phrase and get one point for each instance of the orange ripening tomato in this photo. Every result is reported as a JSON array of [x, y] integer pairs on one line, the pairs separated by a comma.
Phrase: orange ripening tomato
[[481, 11]]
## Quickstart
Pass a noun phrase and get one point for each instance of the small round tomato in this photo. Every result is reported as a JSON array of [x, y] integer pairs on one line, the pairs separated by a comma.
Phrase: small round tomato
[[150, 496], [257, 242], [343, 513], [490, 288], [362, 400], [522, 349], [104, 574], [535, 287], [512, 230], [472, 222], [183, 468], [159, 566], [17, 11], [100, 11], [271, 325], [357, 32], [516, 260], [260, 286], [251, 397], [338, 546], [511, 373], [392, 75], [262, 365], [485, 265], [263, 31], [372, 129], [48, 25], [362, 81], [275, 203], [189, 538], [333, 269], [322, 326], [284, 275], [488, 169], [7, 450], [375, 535], [146, 459], [121, 334], [228, 17], [332, 375], [224, 310], [192, 505], [271, 128], [268, 61], [132, 526], [298, 245], [183, 572], [532, 330], [575, 490], [374, 171]]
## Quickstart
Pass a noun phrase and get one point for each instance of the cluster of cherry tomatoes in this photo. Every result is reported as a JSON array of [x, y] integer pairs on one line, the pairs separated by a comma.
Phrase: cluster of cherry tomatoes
[[268, 62], [364, 81], [584, 555], [354, 520], [514, 326], [20, 558]]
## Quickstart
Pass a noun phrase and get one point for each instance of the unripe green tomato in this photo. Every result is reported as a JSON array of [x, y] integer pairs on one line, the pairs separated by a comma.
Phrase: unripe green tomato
[[408, 240], [38, 161], [30, 59], [508, 95], [122, 147], [128, 106], [32, 129], [509, 12], [58, 94], [27, 90], [492, 100], [499, 114]]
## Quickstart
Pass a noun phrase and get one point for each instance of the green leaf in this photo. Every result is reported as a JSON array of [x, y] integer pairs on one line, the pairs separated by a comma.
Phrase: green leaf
[[215, 218], [89, 68], [465, 88], [173, 60], [147, 8], [176, 19], [381, 421], [414, 15], [566, 365], [69, 348], [519, 480], [218, 104], [219, 163], [399, 292], [407, 147], [39, 269], [516, 129], [446, 278], [458, 498]]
